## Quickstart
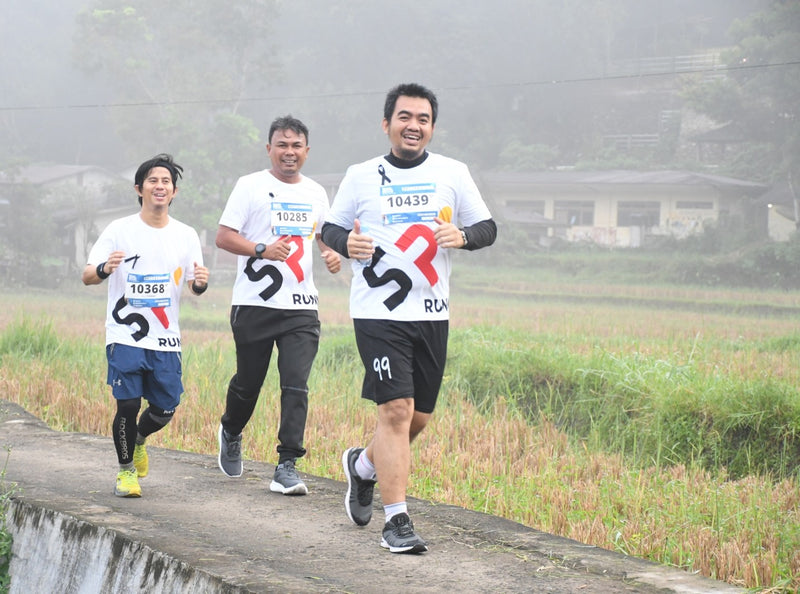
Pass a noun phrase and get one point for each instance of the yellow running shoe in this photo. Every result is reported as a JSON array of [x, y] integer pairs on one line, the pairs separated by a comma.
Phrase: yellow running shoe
[[127, 484], [140, 460]]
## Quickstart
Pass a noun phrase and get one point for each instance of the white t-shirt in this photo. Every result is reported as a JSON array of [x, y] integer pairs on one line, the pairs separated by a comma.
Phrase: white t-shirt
[[411, 279], [144, 293], [264, 209]]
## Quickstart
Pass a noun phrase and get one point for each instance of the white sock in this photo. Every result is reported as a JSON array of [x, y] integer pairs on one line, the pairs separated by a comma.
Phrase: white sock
[[364, 467], [393, 509]]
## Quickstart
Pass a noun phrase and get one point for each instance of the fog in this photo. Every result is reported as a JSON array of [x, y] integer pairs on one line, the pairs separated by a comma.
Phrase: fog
[[538, 73]]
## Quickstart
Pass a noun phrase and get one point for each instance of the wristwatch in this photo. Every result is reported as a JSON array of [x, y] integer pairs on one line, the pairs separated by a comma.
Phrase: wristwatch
[[464, 237], [260, 247]]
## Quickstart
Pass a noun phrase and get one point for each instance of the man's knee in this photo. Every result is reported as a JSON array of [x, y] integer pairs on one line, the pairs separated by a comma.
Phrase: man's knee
[[396, 413], [243, 391], [159, 416], [129, 406]]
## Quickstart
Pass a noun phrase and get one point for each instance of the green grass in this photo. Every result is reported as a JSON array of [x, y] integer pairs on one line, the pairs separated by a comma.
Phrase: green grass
[[668, 434], [6, 539]]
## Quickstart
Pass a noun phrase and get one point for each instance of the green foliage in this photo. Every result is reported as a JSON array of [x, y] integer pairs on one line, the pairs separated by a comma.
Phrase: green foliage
[[517, 156], [192, 62], [653, 411], [219, 153], [29, 338], [26, 221], [758, 97], [6, 540], [765, 264], [721, 256]]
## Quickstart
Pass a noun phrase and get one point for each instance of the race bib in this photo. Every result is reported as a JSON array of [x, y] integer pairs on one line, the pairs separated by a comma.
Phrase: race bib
[[292, 218], [412, 203], [147, 290]]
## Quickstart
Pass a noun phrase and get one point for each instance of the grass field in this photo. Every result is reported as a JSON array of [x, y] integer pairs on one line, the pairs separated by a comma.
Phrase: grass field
[[657, 421]]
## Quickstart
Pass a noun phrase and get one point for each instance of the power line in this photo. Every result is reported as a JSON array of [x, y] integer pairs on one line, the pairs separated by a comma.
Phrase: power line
[[538, 83]]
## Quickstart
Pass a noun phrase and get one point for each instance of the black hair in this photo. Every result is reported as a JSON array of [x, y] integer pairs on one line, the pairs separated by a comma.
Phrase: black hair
[[288, 122], [162, 160], [410, 90]]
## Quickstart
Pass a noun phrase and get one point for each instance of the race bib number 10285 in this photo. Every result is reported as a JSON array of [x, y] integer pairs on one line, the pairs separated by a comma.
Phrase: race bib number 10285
[[291, 218]]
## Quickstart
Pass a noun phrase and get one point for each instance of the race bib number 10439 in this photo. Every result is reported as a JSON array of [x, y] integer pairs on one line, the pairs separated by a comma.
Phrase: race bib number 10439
[[412, 203]]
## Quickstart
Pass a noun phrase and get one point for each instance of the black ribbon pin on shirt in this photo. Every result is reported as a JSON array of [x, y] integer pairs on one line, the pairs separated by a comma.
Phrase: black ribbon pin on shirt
[[384, 178]]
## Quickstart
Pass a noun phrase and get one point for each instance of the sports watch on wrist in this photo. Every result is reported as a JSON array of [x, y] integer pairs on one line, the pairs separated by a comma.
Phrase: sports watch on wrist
[[260, 247], [464, 237]]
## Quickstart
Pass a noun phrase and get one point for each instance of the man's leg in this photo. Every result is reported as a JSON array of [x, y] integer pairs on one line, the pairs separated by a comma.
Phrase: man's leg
[[391, 447], [390, 450], [252, 363], [124, 433], [296, 352]]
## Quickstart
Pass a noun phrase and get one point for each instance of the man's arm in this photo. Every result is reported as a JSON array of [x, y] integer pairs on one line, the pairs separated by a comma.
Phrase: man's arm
[[234, 242], [335, 237], [231, 241], [480, 235]]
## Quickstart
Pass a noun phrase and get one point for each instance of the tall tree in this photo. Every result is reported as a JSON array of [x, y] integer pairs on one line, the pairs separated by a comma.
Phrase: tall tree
[[181, 71], [760, 94]]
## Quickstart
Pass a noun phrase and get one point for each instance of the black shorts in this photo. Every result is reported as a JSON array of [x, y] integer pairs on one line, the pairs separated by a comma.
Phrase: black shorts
[[402, 360]]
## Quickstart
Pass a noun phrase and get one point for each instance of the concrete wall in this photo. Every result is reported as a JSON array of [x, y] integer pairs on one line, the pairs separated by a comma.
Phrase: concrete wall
[[54, 552]]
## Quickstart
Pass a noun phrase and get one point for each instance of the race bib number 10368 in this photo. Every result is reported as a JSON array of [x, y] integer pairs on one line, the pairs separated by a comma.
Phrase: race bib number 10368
[[147, 290]]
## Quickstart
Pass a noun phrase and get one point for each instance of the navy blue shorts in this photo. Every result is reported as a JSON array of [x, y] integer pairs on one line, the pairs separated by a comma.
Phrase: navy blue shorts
[[402, 360], [143, 373]]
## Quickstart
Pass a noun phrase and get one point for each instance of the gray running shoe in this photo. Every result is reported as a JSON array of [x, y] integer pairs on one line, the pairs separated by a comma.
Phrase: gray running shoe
[[230, 453], [358, 499], [286, 481], [399, 536]]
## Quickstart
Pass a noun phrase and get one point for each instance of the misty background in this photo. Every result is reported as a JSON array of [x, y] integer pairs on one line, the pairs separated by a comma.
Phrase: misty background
[[523, 85]]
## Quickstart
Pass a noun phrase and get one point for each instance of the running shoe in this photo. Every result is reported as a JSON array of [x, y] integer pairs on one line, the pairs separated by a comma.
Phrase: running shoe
[[140, 460], [286, 481], [127, 484], [399, 536], [230, 453], [358, 499]]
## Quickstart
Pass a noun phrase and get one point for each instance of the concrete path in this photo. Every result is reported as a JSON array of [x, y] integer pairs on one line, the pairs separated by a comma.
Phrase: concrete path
[[234, 535]]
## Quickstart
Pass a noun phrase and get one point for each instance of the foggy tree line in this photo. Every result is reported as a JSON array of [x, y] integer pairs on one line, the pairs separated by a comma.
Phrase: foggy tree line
[[523, 84]]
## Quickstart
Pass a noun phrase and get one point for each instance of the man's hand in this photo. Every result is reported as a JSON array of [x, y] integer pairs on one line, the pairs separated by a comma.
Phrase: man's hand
[[359, 245], [279, 250], [200, 276], [447, 235], [332, 261]]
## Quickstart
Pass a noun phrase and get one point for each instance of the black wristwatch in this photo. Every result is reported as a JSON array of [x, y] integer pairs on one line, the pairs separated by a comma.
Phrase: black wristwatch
[[260, 247]]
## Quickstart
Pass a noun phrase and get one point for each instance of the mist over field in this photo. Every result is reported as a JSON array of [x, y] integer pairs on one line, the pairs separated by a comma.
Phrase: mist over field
[[528, 89], [104, 83]]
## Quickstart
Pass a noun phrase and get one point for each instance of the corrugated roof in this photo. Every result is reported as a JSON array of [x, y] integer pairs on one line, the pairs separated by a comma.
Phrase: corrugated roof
[[619, 176], [43, 173]]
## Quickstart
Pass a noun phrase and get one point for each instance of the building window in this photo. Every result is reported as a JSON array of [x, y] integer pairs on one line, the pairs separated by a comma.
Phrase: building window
[[638, 214], [694, 205], [574, 212]]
